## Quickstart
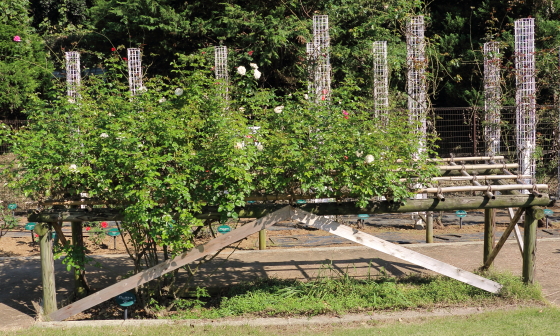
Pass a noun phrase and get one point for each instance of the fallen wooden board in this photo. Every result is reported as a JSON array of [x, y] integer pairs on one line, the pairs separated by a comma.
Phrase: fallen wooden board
[[196, 253], [395, 250]]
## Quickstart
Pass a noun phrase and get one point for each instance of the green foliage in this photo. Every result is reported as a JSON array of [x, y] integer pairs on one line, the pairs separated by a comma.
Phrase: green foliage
[[276, 297], [23, 63], [7, 221]]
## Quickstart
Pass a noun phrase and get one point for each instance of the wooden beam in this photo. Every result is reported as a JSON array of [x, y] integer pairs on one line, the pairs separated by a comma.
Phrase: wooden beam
[[489, 233], [481, 188], [516, 231], [512, 224], [429, 227], [198, 252], [345, 208], [480, 166], [47, 267], [459, 159], [532, 216], [395, 250]]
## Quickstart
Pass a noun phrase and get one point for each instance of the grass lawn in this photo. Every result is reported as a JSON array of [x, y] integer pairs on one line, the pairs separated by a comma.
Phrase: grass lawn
[[525, 321]]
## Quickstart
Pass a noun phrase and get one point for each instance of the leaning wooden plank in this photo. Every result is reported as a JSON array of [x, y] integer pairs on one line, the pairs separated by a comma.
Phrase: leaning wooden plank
[[395, 250], [343, 208], [196, 253], [517, 232], [502, 241]]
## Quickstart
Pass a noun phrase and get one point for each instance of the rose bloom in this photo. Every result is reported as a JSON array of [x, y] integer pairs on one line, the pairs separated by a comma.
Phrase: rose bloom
[[257, 74], [241, 70], [104, 224], [17, 39], [250, 53], [113, 49], [88, 228]]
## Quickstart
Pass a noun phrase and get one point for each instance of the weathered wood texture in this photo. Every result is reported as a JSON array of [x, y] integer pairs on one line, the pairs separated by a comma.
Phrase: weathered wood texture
[[80, 285], [429, 227], [395, 250], [346, 208], [196, 253], [532, 216], [489, 232], [47, 267], [512, 224], [516, 231]]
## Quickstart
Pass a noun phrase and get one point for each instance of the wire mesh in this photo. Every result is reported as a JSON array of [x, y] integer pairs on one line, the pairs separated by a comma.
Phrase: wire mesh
[[319, 85], [134, 70], [380, 80], [492, 97], [416, 75], [221, 68], [525, 94], [73, 75]]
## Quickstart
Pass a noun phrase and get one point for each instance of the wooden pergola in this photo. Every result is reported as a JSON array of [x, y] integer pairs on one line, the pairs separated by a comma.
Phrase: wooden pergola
[[529, 199]]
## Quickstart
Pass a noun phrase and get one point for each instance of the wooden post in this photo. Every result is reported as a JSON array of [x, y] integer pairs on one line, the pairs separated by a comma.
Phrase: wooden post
[[532, 216], [80, 285], [489, 232], [262, 240], [502, 241], [429, 227], [47, 267]]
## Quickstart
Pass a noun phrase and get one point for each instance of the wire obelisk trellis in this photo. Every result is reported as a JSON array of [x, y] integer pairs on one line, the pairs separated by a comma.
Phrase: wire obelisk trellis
[[492, 98], [380, 81], [525, 95], [221, 68], [416, 76], [416, 85], [558, 142], [73, 74], [319, 60], [134, 70]]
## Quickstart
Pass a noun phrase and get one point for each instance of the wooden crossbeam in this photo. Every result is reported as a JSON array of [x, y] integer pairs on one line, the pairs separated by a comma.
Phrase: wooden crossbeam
[[147, 275], [395, 250], [344, 208]]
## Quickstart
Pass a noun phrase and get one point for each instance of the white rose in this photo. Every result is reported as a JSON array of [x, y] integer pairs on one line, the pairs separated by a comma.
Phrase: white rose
[[260, 147], [254, 66], [241, 70], [306, 96], [257, 74], [73, 167], [162, 100], [104, 135], [241, 109], [178, 91], [359, 153], [278, 109], [369, 158], [239, 145]]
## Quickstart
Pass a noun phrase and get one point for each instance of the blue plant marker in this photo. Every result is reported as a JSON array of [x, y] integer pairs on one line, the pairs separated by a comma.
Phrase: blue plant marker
[[301, 201], [251, 202], [224, 228], [30, 226], [548, 212], [12, 206], [363, 216], [126, 300], [460, 214], [113, 232]]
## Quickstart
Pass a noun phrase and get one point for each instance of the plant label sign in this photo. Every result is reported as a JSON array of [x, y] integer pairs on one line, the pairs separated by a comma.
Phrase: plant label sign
[[224, 228], [12, 206], [301, 201], [548, 212], [113, 232], [126, 299], [363, 216], [30, 226], [460, 213]]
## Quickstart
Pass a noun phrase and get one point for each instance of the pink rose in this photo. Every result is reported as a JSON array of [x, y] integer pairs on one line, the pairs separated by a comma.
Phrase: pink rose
[[17, 39]]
